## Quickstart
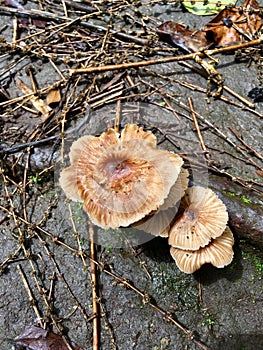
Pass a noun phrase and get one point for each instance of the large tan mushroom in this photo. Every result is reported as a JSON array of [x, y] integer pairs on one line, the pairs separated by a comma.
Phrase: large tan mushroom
[[204, 217], [120, 179], [218, 252]]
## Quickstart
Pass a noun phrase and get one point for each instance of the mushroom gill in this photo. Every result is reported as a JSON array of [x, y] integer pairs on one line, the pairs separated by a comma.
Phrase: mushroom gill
[[158, 223], [218, 252]]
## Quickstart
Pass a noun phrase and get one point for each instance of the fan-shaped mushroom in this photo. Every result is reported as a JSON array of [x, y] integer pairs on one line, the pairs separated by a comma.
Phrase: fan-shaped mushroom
[[218, 252], [204, 217]]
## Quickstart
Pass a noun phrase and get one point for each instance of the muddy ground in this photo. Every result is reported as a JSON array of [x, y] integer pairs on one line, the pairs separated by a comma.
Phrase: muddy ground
[[41, 233]]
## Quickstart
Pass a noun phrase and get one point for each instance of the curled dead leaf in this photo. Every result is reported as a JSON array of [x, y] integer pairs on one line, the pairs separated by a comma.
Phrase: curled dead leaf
[[179, 35], [36, 338], [39, 104]]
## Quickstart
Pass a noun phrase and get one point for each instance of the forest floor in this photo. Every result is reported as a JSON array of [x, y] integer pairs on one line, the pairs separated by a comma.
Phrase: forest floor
[[145, 302]]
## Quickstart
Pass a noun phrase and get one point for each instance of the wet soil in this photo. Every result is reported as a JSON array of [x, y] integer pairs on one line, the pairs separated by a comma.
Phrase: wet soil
[[222, 307]]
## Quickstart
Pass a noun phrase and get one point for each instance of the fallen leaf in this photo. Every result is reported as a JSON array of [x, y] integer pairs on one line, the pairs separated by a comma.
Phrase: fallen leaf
[[232, 26], [53, 98], [39, 104], [178, 34], [204, 8], [36, 338]]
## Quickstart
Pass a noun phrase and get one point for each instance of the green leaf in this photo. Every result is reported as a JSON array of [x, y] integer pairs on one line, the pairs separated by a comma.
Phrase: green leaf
[[204, 7]]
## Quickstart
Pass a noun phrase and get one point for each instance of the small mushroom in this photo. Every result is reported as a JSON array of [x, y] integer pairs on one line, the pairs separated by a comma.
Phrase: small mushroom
[[119, 179], [158, 223], [204, 217], [218, 252]]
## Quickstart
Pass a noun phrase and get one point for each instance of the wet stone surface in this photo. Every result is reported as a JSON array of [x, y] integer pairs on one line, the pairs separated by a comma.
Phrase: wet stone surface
[[223, 307]]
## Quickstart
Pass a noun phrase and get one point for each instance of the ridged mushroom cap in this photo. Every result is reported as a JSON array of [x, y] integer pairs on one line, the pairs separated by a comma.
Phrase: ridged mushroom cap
[[204, 217], [218, 252], [120, 180]]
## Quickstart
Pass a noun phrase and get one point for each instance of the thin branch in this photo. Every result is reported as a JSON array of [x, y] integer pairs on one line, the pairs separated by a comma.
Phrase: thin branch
[[32, 300], [191, 56], [94, 286], [203, 146]]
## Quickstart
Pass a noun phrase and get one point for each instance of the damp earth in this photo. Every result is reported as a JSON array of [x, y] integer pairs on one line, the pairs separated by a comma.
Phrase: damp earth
[[221, 308]]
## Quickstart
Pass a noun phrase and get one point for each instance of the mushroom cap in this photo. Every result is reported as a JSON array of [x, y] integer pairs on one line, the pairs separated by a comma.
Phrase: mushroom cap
[[204, 217], [158, 223], [218, 252], [119, 181], [134, 132], [68, 183]]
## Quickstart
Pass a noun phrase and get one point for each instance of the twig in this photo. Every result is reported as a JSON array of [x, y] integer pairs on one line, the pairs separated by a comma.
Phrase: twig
[[83, 259], [203, 146], [259, 156], [117, 116], [94, 286], [32, 300], [48, 15], [21, 147], [226, 88], [190, 56]]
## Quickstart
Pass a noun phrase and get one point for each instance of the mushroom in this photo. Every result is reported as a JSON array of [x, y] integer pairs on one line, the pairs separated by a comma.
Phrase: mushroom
[[218, 252], [204, 217], [158, 223], [119, 178]]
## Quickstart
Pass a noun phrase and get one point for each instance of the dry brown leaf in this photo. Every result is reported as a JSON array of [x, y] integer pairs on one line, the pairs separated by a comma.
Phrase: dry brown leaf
[[53, 97], [232, 26], [36, 338], [185, 39], [39, 104]]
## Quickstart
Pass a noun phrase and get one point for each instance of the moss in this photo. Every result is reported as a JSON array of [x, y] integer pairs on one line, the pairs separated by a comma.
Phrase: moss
[[178, 284], [229, 194], [209, 319], [243, 198], [256, 262]]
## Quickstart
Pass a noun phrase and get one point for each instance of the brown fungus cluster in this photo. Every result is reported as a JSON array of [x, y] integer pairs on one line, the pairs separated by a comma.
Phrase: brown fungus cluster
[[123, 179]]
